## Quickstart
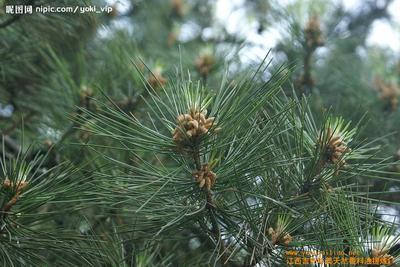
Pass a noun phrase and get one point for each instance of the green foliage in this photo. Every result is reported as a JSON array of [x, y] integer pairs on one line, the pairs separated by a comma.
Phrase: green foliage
[[160, 142]]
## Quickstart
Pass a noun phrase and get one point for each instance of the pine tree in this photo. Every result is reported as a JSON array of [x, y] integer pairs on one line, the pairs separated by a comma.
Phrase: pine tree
[[141, 137]]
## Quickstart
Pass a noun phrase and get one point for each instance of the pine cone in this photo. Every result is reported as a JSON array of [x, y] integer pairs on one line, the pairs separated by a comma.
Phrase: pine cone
[[204, 63], [389, 93], [335, 148], [21, 185], [205, 177], [192, 125], [303, 81], [178, 7], [378, 252], [278, 237], [313, 33], [172, 37], [156, 79]]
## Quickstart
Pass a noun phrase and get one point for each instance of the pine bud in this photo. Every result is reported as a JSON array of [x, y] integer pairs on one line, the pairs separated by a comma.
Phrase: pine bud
[[85, 92], [304, 81], [178, 7], [204, 63], [156, 79], [375, 253], [335, 148], [20, 186], [279, 237], [192, 125], [313, 33], [378, 252], [172, 37], [286, 239], [205, 177], [388, 93], [85, 95]]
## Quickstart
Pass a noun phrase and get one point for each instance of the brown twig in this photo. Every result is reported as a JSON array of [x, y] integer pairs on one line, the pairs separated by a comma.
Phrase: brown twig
[[19, 188], [210, 206]]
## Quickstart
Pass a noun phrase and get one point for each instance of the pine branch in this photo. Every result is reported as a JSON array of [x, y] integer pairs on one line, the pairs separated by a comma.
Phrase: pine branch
[[211, 208]]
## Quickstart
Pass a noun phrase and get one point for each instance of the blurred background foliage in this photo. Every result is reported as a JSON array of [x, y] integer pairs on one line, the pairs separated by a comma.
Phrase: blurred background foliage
[[52, 65]]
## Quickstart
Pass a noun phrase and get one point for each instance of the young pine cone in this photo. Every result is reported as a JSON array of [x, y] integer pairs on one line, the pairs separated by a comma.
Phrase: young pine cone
[[85, 95], [389, 93], [335, 148], [20, 185], [178, 7], [156, 79], [304, 81], [278, 237], [205, 177], [204, 63], [192, 125], [313, 33], [378, 252], [172, 37]]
